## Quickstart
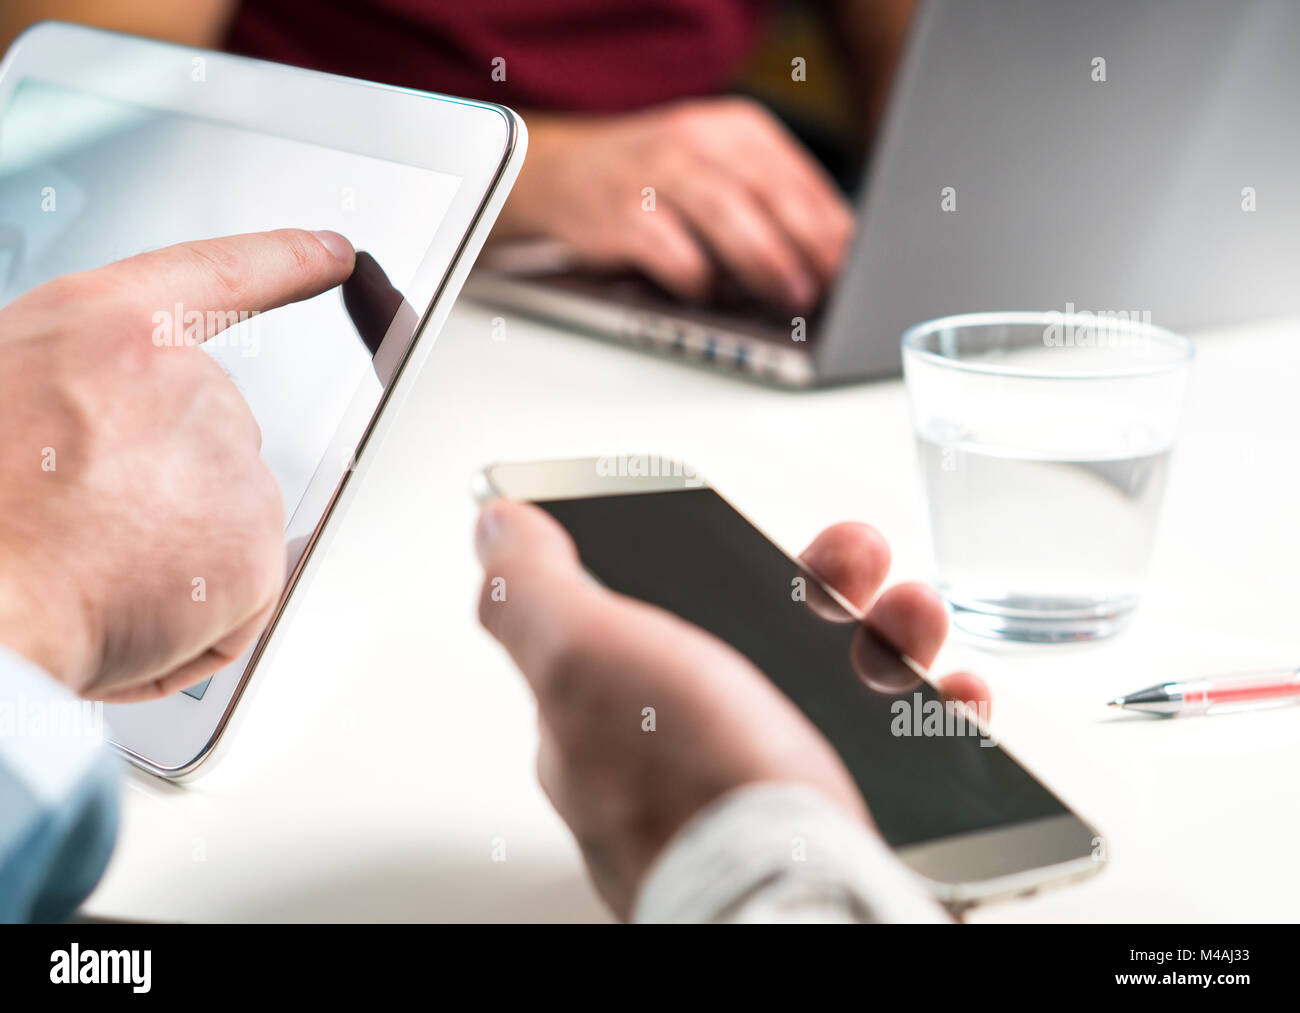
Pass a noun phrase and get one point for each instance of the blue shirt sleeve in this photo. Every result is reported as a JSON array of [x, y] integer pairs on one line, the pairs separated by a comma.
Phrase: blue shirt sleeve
[[58, 795]]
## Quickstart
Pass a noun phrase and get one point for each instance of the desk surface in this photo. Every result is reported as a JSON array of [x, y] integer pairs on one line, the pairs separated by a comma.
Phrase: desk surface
[[387, 753]]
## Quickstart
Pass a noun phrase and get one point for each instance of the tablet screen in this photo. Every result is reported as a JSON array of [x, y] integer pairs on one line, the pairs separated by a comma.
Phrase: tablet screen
[[86, 180]]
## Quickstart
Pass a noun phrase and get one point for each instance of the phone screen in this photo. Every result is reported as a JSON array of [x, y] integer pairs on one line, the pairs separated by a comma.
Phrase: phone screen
[[923, 775]]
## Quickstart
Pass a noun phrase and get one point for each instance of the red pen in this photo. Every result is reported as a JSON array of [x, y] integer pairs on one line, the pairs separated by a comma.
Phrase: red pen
[[1202, 696]]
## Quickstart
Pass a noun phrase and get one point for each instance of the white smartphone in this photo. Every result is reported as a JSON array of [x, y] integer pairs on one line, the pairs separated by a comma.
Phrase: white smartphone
[[952, 802], [111, 145]]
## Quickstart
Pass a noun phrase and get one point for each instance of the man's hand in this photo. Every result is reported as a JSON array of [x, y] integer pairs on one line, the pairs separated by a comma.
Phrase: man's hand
[[129, 473], [595, 658], [732, 189]]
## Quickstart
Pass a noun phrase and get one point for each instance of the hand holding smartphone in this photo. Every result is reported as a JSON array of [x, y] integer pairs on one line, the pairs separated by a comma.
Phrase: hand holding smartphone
[[953, 803]]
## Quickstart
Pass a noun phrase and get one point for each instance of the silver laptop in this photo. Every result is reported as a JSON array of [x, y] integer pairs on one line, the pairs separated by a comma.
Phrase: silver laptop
[[1115, 156]]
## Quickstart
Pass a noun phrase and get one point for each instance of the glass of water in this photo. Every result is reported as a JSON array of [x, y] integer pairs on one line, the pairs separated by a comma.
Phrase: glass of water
[[1045, 441]]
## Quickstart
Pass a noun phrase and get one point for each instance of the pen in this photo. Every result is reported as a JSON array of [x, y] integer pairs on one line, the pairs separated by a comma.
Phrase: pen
[[1275, 688]]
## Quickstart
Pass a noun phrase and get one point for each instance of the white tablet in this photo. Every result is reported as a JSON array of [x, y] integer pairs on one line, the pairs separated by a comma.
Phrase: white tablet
[[111, 145]]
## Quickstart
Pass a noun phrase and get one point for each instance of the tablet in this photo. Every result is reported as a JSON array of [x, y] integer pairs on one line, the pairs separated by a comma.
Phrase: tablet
[[111, 145]]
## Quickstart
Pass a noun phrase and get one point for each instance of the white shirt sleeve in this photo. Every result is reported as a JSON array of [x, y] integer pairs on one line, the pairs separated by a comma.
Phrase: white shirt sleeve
[[776, 852]]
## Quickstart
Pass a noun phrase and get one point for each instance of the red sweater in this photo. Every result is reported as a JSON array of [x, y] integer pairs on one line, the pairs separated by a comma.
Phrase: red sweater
[[582, 55]]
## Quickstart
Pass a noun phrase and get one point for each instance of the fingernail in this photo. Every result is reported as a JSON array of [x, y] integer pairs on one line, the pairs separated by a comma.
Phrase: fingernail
[[339, 248], [490, 532]]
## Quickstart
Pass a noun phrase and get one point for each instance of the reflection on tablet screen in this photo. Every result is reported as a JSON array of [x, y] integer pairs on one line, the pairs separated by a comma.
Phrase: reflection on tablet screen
[[198, 689]]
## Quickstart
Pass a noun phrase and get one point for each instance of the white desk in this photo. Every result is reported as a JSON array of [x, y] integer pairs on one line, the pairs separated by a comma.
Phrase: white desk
[[390, 743]]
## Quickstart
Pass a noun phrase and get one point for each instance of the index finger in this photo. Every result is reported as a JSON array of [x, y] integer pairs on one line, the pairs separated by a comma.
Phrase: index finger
[[224, 278]]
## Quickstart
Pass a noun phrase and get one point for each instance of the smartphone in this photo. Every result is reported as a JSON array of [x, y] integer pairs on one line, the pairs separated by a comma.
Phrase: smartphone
[[950, 799]]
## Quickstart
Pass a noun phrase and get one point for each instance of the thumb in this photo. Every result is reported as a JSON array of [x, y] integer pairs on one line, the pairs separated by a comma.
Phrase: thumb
[[536, 596], [222, 278]]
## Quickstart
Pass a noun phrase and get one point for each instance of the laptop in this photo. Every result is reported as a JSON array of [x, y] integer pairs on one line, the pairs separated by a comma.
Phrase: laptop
[[1129, 157]]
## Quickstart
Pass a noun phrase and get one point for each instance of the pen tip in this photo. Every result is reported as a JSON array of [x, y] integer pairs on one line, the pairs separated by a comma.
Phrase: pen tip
[[1117, 702]]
